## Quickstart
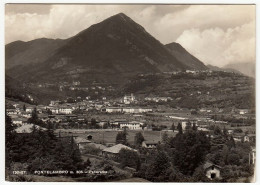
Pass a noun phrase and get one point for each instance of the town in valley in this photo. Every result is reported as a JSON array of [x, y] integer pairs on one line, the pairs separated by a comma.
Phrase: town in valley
[[109, 105]]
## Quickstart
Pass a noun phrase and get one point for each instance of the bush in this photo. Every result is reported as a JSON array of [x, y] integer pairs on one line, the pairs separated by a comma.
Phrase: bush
[[233, 159], [129, 158], [89, 149]]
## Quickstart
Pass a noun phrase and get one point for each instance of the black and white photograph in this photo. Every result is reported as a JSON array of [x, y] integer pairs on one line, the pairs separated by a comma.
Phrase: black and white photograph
[[130, 92]]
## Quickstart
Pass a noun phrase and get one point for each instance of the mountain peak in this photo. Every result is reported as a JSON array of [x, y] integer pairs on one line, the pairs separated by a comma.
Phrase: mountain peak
[[120, 17]]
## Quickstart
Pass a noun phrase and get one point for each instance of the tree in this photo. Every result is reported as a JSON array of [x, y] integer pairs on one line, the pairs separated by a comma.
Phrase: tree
[[70, 100], [194, 127], [10, 137], [233, 159], [50, 130], [225, 131], [121, 137], [231, 143], [190, 150], [238, 130], [161, 164], [165, 138], [41, 151], [129, 158], [199, 175], [217, 130], [139, 138], [34, 117], [218, 159], [87, 163], [49, 112], [224, 153], [93, 123], [188, 125], [179, 127], [173, 127]]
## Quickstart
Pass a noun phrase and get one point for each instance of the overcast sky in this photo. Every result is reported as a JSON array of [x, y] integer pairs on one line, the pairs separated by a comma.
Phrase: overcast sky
[[215, 34]]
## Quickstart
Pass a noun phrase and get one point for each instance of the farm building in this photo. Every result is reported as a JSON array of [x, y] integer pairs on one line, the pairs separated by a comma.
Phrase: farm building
[[149, 144], [81, 142], [212, 171], [112, 152]]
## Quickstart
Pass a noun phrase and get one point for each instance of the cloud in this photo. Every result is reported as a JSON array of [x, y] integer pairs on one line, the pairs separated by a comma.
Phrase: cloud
[[191, 25], [220, 47], [27, 8]]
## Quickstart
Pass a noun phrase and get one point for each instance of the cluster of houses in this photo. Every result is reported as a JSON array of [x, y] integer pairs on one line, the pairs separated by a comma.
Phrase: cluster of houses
[[128, 99], [158, 99], [20, 114], [211, 170]]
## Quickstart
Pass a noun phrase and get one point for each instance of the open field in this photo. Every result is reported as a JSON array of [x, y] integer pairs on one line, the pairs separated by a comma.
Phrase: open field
[[104, 136]]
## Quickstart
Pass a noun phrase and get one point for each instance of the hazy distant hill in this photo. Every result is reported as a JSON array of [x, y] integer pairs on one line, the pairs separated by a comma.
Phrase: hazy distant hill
[[185, 57], [245, 68], [114, 49], [215, 68]]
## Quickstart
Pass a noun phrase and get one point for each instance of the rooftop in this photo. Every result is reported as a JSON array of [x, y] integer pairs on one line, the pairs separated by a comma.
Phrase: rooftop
[[81, 140], [116, 149], [209, 164]]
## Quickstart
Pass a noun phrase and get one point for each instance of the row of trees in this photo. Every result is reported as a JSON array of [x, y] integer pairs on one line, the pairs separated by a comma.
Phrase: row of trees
[[175, 158], [181, 158], [40, 150]]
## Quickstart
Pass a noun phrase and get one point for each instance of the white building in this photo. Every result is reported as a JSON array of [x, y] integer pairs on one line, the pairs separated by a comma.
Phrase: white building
[[190, 71], [113, 109], [129, 99], [54, 102], [29, 109], [136, 110], [127, 110], [133, 125], [11, 111], [158, 99], [19, 121], [65, 110], [76, 83], [212, 171], [243, 111], [54, 110]]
